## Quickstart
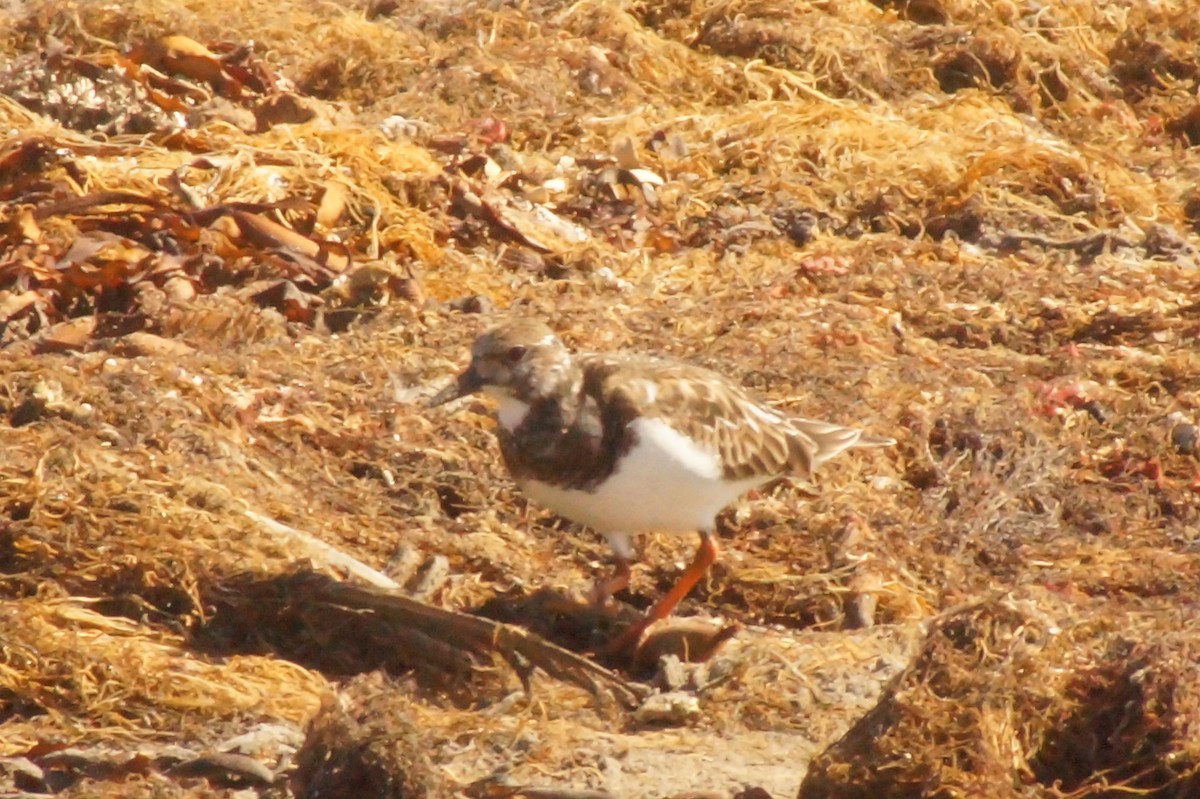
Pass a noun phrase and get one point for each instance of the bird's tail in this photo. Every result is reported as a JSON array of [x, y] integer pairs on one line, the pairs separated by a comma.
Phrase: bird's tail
[[832, 440]]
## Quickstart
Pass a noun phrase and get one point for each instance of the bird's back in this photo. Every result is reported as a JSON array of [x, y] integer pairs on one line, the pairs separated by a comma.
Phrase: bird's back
[[753, 439]]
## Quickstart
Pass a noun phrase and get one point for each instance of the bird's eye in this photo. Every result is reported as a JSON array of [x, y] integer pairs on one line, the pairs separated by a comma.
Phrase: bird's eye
[[515, 354]]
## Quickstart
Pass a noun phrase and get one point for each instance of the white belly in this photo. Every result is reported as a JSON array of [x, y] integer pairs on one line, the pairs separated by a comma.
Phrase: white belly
[[664, 484]]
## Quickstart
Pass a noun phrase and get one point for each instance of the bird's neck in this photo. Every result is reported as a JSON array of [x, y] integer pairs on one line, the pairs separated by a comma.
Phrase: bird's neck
[[551, 395]]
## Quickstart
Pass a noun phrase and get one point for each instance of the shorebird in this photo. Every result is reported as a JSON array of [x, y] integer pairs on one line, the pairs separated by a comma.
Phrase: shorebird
[[629, 444]]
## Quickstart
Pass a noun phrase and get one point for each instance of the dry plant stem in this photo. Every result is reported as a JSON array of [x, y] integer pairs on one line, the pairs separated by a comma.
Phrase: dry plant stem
[[706, 556], [325, 555], [522, 649]]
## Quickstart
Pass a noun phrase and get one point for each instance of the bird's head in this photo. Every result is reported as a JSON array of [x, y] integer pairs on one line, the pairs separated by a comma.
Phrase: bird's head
[[515, 360]]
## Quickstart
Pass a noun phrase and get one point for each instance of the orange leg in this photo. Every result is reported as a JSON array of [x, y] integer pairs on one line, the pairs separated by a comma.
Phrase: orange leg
[[603, 589], [705, 556]]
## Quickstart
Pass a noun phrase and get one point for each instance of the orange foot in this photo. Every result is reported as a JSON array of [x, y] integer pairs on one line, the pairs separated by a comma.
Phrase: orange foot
[[627, 640]]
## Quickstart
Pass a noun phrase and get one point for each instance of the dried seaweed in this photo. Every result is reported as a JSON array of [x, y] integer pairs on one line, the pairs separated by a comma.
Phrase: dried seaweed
[[241, 244]]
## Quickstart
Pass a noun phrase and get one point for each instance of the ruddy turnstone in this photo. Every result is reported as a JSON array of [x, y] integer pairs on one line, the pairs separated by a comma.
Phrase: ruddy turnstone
[[629, 444]]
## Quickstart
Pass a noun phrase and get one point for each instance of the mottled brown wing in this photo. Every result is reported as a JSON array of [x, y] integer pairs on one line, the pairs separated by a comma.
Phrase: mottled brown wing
[[753, 439]]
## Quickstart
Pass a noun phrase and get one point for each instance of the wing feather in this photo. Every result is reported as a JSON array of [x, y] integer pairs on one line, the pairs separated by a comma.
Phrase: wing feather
[[832, 440], [753, 439]]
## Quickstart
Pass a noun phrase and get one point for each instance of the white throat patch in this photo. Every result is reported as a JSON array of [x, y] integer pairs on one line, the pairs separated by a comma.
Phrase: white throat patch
[[511, 411]]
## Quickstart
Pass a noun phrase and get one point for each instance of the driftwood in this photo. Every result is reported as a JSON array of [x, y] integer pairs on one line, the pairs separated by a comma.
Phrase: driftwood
[[398, 629], [442, 636]]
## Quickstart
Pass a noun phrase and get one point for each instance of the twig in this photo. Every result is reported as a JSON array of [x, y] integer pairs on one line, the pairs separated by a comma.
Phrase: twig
[[323, 554]]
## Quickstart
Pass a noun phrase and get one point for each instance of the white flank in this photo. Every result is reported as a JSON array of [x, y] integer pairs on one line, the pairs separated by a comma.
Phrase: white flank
[[666, 483]]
